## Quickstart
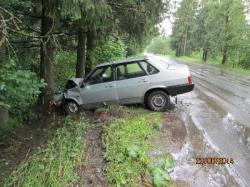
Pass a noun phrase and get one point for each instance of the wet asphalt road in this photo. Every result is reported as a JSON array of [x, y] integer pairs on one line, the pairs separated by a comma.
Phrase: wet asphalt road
[[218, 113]]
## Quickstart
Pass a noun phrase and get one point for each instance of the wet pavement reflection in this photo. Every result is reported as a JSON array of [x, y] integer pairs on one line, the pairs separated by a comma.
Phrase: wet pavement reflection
[[217, 119]]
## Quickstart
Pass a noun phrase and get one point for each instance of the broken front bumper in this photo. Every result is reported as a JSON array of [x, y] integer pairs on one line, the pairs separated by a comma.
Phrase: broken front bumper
[[58, 99]]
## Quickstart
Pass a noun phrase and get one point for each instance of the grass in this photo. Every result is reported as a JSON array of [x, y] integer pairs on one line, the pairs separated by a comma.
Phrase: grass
[[126, 142], [228, 67], [55, 163]]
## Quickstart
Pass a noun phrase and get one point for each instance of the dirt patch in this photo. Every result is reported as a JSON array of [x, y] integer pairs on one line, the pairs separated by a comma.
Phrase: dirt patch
[[104, 115], [175, 128], [172, 135], [92, 173]]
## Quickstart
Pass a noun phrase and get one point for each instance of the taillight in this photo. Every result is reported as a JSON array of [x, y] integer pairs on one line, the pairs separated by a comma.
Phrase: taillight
[[190, 80]]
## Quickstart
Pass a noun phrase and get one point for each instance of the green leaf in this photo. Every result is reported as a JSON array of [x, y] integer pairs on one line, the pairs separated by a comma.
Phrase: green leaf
[[169, 163], [160, 177], [133, 150], [4, 105]]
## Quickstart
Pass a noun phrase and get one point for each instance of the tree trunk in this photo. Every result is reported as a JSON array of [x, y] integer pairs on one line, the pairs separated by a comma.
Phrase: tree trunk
[[46, 55], [2, 40], [2, 50], [185, 44], [178, 50], [181, 47], [4, 116], [224, 59], [91, 42], [205, 55], [81, 53]]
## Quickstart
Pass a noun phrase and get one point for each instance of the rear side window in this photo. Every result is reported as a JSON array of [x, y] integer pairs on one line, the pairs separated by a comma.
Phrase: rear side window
[[149, 68], [130, 70]]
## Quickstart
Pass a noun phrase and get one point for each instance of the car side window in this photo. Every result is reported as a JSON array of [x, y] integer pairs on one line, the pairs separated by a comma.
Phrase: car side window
[[149, 68], [101, 75], [121, 73], [129, 70]]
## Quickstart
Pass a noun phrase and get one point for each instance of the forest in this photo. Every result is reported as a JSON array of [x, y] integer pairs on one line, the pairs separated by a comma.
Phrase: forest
[[211, 31]]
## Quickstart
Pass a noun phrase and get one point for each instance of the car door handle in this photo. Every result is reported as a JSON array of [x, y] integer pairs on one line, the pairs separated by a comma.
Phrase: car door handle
[[143, 80], [110, 86]]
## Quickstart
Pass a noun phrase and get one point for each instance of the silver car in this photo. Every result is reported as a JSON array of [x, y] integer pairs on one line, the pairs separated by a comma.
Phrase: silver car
[[148, 80]]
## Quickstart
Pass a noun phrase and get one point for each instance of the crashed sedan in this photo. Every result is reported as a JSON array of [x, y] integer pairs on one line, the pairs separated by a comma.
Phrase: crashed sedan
[[147, 80]]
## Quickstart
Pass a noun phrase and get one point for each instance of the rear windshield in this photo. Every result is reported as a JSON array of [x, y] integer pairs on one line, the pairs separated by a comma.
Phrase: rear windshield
[[163, 62]]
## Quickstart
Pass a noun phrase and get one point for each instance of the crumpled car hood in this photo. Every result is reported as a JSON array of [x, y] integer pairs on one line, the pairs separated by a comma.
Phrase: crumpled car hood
[[78, 81]]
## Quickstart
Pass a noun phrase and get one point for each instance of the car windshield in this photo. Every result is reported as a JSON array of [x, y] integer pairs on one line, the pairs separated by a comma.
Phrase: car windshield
[[100, 75]]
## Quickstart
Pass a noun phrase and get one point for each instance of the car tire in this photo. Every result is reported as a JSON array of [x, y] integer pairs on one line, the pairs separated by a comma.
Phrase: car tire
[[158, 101], [71, 108]]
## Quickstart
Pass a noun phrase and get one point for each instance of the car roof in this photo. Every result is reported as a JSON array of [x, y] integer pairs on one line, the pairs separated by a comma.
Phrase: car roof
[[134, 59]]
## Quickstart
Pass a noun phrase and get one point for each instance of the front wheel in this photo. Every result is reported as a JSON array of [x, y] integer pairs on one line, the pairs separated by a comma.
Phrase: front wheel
[[158, 101], [71, 108]]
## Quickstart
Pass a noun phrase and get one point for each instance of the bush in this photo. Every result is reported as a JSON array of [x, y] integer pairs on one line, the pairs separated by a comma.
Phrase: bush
[[19, 89]]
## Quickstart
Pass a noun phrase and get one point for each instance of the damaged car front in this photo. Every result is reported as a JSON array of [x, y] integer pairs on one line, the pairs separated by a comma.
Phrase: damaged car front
[[71, 91]]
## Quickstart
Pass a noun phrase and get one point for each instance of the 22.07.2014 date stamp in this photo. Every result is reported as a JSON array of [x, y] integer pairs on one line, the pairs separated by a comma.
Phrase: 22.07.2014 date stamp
[[214, 160]]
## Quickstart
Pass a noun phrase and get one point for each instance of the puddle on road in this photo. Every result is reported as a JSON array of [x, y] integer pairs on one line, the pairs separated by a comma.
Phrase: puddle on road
[[198, 175], [186, 168], [216, 130], [241, 131], [187, 143]]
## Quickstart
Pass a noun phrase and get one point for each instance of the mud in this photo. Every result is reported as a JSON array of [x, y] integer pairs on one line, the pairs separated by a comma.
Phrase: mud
[[175, 127], [93, 169]]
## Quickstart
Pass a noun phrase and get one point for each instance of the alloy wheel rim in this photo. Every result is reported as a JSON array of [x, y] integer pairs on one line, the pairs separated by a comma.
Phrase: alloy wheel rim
[[73, 108], [158, 101]]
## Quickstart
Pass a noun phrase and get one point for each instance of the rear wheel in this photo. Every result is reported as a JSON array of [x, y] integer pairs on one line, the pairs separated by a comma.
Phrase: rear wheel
[[71, 108], [158, 101]]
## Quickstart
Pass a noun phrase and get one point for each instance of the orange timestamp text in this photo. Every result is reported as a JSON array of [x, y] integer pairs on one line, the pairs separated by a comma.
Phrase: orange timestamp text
[[214, 160]]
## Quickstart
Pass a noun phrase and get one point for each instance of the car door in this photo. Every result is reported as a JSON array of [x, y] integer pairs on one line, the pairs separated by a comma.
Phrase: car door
[[132, 82], [99, 88]]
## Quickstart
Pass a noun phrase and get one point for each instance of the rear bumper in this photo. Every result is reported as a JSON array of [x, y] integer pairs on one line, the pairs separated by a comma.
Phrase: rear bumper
[[179, 89]]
